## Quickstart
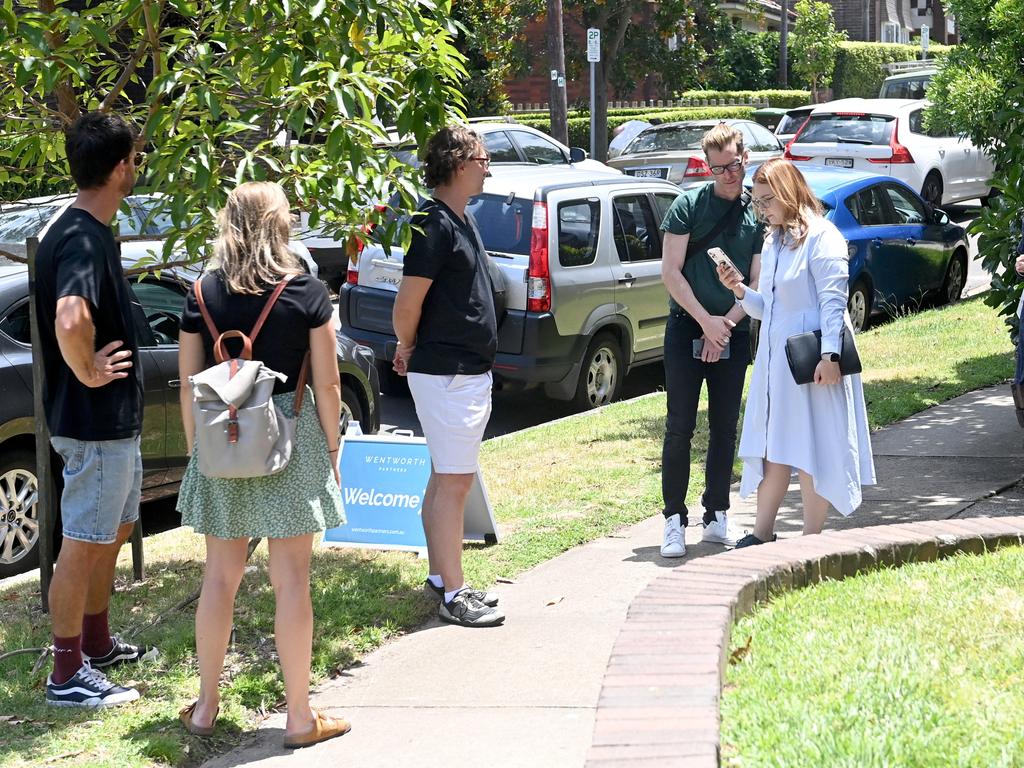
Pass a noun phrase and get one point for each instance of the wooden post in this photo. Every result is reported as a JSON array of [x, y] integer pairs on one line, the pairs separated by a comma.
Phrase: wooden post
[[46, 489], [138, 561]]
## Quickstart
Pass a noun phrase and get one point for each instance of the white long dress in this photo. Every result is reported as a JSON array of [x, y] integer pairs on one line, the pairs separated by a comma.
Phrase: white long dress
[[822, 430]]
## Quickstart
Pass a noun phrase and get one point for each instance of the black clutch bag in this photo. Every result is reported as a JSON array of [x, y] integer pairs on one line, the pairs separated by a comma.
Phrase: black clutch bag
[[803, 351]]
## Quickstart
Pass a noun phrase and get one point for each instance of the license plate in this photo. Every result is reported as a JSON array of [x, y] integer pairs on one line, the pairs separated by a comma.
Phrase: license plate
[[839, 162], [648, 173]]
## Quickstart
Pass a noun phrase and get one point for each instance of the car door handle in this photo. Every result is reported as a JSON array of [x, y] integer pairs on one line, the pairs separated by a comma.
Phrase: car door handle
[[627, 280], [877, 242], [174, 383]]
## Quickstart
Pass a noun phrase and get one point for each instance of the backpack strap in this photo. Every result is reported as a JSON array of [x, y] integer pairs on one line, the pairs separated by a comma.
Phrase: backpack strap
[[300, 384], [268, 306], [198, 287]]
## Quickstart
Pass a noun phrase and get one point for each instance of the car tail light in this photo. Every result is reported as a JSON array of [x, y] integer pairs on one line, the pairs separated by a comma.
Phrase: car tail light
[[355, 244], [900, 154], [538, 277], [788, 154], [696, 167]]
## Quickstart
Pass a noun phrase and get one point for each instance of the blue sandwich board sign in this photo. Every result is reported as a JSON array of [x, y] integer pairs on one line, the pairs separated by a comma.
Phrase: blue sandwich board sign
[[383, 479]]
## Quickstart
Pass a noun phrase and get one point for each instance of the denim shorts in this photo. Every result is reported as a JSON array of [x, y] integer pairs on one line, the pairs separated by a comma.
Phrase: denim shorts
[[102, 486]]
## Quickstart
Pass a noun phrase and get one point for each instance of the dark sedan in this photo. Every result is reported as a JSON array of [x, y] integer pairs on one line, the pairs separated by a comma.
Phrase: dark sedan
[[161, 300]]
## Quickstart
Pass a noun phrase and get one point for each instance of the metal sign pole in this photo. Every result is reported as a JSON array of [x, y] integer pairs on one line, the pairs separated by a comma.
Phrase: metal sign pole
[[593, 56], [45, 488]]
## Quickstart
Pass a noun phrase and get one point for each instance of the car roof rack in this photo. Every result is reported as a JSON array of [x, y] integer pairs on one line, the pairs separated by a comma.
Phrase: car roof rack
[[900, 67]]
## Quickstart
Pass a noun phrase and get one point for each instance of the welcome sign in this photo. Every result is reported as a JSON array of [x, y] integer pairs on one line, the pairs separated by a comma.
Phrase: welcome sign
[[383, 479]]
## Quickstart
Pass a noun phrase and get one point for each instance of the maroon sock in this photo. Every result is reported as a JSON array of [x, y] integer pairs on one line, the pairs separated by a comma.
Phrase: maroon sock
[[96, 640], [67, 657]]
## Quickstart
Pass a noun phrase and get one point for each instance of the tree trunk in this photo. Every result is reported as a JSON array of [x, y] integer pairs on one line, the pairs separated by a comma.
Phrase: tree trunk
[[784, 45], [556, 53]]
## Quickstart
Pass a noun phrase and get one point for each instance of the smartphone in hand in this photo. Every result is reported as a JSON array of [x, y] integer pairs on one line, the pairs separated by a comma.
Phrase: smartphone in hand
[[719, 257]]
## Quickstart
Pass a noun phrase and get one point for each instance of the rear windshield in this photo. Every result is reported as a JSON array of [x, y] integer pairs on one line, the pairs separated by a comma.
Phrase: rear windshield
[[504, 227], [848, 129], [667, 140], [905, 89], [790, 123]]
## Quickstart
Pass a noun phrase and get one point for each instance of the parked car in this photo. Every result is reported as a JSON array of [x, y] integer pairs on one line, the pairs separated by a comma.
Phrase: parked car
[[902, 250], [161, 300], [911, 83], [791, 122], [578, 258], [888, 136], [672, 151]]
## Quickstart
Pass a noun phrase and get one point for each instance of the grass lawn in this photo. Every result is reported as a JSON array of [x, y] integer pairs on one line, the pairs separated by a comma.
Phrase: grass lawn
[[553, 487], [916, 667]]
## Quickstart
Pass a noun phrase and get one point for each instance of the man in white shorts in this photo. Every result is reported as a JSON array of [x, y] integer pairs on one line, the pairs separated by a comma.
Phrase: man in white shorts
[[447, 336]]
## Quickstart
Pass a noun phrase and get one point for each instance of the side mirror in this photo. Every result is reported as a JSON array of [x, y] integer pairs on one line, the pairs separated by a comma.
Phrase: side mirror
[[576, 154], [939, 216]]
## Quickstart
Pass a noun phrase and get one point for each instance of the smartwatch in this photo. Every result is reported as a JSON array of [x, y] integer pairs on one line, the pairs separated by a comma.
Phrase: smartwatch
[[832, 357]]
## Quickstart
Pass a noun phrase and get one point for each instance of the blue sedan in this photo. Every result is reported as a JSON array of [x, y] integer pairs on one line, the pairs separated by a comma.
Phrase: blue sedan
[[902, 250]]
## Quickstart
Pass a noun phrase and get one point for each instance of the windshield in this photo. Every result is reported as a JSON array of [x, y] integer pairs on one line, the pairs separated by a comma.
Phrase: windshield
[[504, 227], [18, 224], [684, 137], [906, 89], [848, 129]]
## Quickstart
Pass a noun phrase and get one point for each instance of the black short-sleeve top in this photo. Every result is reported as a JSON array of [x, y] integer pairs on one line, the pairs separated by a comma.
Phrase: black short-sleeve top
[[284, 340], [458, 332]]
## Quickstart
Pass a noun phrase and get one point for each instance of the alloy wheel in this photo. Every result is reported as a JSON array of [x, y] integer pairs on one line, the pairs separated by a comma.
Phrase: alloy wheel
[[602, 377], [19, 523]]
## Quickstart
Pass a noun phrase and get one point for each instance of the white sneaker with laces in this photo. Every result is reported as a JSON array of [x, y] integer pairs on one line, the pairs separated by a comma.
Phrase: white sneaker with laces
[[673, 542], [721, 531]]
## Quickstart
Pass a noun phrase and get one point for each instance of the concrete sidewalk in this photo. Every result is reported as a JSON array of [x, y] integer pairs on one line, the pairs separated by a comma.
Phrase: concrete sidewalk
[[525, 694]]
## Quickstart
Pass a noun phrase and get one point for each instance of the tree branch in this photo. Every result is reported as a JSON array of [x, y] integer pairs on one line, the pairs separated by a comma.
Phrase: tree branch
[[67, 101], [124, 77]]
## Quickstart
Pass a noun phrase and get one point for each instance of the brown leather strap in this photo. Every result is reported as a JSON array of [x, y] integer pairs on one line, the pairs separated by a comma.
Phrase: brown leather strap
[[198, 286], [268, 306], [300, 384], [220, 353]]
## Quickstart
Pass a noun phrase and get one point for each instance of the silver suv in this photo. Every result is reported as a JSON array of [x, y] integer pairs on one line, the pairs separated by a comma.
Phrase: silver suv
[[578, 268]]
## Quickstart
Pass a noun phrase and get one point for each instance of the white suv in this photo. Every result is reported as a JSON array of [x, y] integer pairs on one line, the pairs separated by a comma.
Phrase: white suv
[[578, 270], [887, 136]]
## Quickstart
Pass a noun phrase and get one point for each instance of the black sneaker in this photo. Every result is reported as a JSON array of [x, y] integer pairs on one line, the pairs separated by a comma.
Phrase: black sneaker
[[88, 687], [466, 610], [489, 599], [122, 653], [750, 540]]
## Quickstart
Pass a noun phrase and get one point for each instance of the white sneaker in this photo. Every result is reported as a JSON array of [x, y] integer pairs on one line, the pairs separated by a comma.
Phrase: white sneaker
[[673, 542], [721, 531]]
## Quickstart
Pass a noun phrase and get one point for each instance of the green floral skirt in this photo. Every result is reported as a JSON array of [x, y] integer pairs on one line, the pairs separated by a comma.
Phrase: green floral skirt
[[302, 498]]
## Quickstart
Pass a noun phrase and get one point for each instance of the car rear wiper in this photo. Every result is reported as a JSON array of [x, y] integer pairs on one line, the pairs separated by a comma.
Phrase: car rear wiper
[[855, 141]]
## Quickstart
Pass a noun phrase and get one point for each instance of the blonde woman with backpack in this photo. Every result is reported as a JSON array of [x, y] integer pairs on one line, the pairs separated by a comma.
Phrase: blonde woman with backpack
[[251, 259]]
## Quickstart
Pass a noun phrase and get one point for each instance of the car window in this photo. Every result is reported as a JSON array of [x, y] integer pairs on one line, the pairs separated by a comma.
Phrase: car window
[[907, 208], [764, 140], [916, 124], [677, 137], [853, 128], [636, 236], [579, 222], [539, 150], [500, 148], [156, 223], [913, 88], [504, 227], [162, 303], [19, 224], [663, 202], [791, 122], [127, 222], [16, 324], [869, 207]]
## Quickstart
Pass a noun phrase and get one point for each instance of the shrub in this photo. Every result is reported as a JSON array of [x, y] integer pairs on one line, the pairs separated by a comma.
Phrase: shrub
[[860, 67], [776, 98]]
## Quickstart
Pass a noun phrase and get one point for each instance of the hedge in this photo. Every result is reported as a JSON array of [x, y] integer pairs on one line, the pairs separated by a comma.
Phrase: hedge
[[781, 99], [579, 127], [860, 67]]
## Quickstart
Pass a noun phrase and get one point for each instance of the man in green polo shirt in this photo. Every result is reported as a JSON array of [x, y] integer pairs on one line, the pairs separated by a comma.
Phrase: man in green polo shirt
[[708, 335]]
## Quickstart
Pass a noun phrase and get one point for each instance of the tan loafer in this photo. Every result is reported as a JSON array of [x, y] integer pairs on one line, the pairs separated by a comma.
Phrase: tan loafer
[[197, 730], [324, 728]]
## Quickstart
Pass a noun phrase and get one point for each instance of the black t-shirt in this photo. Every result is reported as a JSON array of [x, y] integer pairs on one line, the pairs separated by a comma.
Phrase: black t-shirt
[[457, 331], [79, 257], [284, 338]]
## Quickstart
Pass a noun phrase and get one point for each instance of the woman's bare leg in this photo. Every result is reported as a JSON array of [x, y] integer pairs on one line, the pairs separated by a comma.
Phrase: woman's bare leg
[[815, 506], [770, 494]]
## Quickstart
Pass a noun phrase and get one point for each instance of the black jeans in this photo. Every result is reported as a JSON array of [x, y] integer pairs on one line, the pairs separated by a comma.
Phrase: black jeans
[[684, 377]]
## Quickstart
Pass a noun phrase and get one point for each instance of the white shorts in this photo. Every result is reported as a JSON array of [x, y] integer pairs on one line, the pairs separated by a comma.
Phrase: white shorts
[[453, 413]]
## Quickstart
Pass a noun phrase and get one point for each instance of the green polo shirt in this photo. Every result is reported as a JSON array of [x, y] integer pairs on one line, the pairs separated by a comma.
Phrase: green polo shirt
[[695, 213]]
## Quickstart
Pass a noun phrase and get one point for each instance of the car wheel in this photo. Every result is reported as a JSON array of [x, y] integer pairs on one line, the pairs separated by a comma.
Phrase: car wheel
[[859, 306], [990, 198], [391, 384], [601, 376], [931, 190], [19, 513], [956, 279], [351, 406]]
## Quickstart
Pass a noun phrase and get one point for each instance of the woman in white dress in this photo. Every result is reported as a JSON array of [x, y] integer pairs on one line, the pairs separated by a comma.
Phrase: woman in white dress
[[818, 430]]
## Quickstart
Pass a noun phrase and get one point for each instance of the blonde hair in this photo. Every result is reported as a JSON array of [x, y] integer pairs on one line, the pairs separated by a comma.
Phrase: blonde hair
[[799, 204], [720, 137], [251, 249]]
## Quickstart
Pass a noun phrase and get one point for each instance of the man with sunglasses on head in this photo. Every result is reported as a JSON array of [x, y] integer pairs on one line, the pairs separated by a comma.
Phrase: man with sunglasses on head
[[92, 396], [707, 337]]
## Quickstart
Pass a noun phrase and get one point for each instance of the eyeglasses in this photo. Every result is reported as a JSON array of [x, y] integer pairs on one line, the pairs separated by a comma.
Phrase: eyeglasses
[[484, 161], [735, 165], [762, 202]]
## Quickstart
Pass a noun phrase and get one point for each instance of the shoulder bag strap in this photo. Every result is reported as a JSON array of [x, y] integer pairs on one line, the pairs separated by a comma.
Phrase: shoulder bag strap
[[699, 245]]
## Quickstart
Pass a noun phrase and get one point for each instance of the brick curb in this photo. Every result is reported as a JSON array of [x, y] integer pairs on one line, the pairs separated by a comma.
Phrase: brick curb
[[659, 701]]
